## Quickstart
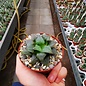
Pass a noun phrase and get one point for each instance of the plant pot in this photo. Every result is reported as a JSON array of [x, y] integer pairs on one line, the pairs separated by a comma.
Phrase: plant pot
[[83, 60], [84, 53], [79, 54], [82, 67], [39, 64]]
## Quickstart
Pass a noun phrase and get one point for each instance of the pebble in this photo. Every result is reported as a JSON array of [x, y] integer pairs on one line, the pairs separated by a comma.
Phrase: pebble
[[47, 68], [37, 69], [26, 63], [33, 68], [51, 66], [55, 62], [44, 67], [30, 65]]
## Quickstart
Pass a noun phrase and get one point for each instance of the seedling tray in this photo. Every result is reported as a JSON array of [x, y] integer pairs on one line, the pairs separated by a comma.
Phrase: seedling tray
[[4, 43], [78, 74]]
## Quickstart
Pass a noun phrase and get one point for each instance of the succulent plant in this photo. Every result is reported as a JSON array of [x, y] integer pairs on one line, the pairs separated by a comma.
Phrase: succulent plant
[[79, 54], [6, 12], [82, 66], [71, 36], [40, 50], [81, 46], [76, 38]]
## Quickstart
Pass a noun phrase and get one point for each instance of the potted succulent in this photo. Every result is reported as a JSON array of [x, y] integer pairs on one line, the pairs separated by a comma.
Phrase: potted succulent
[[40, 52], [71, 36], [83, 60], [82, 67], [81, 47], [76, 39], [79, 54]]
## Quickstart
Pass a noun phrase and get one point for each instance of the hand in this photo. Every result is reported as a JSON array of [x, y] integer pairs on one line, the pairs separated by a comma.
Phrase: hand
[[27, 77]]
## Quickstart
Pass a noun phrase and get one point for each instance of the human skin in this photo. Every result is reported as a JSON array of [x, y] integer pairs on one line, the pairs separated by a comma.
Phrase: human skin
[[29, 77]]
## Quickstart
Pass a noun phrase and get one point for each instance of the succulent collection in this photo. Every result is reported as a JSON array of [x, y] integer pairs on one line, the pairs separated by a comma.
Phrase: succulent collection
[[40, 52], [6, 13], [74, 12], [73, 19]]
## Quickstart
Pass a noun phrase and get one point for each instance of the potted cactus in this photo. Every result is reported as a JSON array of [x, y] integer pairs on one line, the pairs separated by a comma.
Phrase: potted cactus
[[40, 52]]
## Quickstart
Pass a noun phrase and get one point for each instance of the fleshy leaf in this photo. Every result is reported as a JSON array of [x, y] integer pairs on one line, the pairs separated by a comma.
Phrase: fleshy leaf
[[30, 48], [54, 51], [29, 42], [52, 43], [46, 37], [33, 59], [41, 56], [33, 36], [47, 49], [45, 61], [25, 52], [40, 40], [37, 47]]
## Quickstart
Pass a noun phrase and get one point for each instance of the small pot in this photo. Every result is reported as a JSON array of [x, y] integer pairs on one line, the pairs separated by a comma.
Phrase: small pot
[[83, 60], [84, 67], [46, 70], [77, 56]]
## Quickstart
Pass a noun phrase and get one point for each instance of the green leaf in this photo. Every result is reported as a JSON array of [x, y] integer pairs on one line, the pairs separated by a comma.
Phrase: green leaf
[[40, 40], [41, 56], [52, 43], [33, 59], [46, 37], [45, 61], [30, 48], [54, 51], [47, 49], [33, 36], [29, 42], [37, 47], [25, 52]]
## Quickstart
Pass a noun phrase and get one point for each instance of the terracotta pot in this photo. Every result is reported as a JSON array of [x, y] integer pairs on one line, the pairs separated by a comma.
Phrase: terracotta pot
[[42, 71], [80, 67], [75, 43], [78, 56], [83, 59]]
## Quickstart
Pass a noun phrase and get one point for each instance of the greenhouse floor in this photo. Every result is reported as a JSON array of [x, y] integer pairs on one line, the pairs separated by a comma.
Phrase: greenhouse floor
[[40, 18]]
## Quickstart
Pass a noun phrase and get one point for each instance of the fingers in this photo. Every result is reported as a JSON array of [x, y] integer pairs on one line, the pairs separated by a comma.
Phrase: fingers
[[53, 74], [61, 75], [62, 83], [19, 65]]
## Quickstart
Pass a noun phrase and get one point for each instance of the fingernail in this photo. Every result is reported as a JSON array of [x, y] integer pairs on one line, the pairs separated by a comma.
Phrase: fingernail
[[51, 78]]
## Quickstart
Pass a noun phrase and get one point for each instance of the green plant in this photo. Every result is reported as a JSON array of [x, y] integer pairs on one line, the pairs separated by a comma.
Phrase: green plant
[[6, 13], [71, 36], [39, 49]]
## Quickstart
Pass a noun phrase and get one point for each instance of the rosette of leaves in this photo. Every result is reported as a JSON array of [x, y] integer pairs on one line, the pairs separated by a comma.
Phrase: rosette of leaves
[[65, 18], [81, 46], [76, 38], [84, 34], [39, 48], [79, 54], [71, 36]]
